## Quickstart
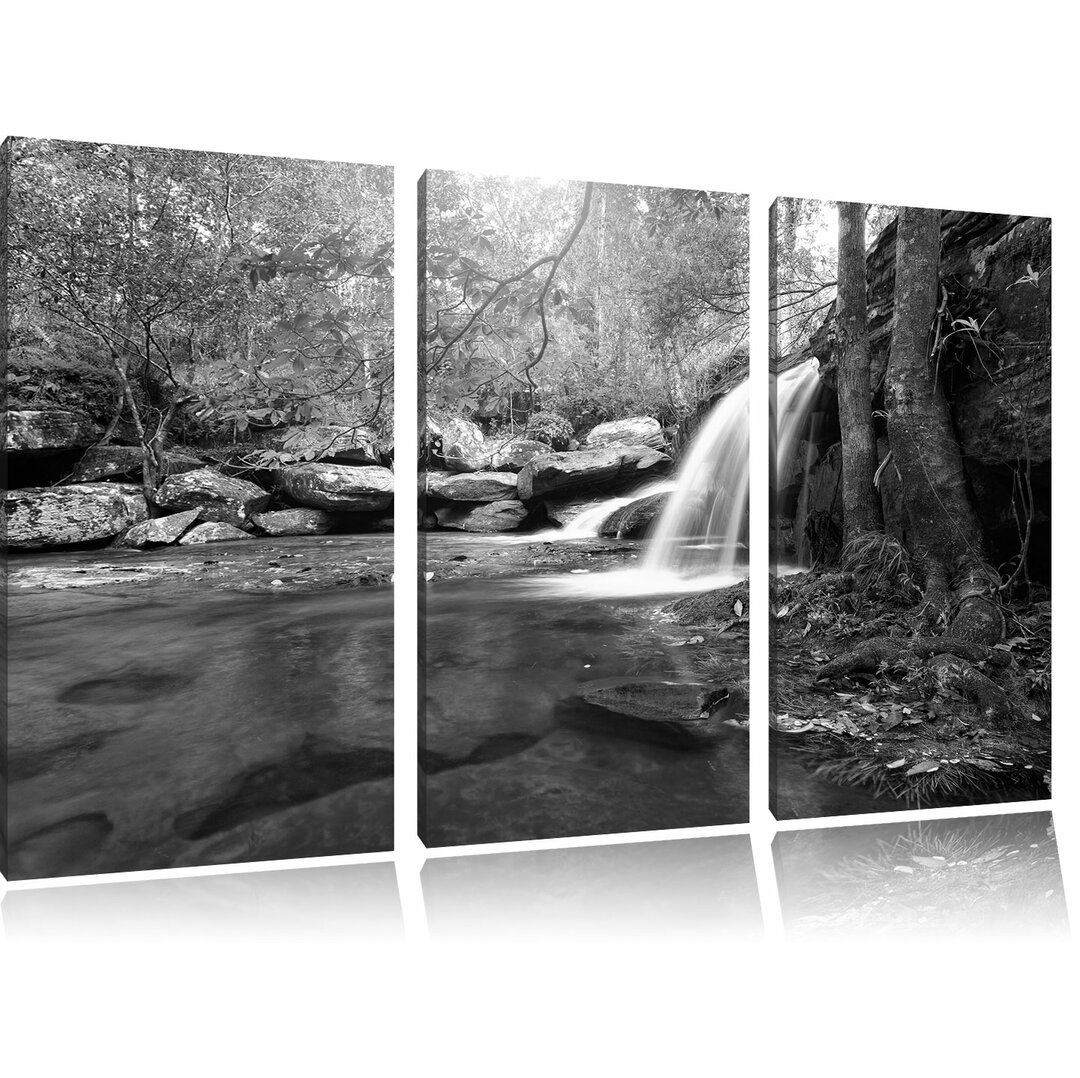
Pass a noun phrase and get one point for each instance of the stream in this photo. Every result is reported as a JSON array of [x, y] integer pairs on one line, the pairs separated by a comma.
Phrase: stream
[[206, 707], [511, 748]]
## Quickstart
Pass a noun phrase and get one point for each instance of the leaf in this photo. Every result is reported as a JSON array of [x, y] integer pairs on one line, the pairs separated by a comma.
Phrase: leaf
[[930, 862], [897, 763], [738, 608], [923, 768]]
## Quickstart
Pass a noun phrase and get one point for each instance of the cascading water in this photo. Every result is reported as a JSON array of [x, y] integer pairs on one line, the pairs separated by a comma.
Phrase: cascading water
[[704, 527], [797, 392], [587, 524], [703, 530]]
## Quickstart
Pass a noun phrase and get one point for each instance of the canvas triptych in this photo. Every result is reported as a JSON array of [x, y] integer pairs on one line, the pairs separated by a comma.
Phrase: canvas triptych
[[201, 472]]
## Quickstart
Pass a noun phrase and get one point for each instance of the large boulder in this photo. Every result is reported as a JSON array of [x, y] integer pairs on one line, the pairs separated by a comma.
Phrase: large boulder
[[294, 522], [590, 467], [565, 510], [511, 455], [503, 516], [218, 497], [472, 486], [460, 443], [633, 521], [47, 431], [342, 487], [161, 530], [636, 430], [115, 461], [39, 517]]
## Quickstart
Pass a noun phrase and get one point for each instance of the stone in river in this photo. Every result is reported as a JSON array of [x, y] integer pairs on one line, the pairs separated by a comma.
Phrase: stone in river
[[218, 497], [590, 467], [161, 530], [294, 522], [213, 532], [472, 486], [341, 487], [501, 516], [78, 513]]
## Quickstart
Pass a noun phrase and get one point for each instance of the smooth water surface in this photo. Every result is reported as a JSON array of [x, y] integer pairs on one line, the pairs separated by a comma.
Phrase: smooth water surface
[[511, 748], [176, 723]]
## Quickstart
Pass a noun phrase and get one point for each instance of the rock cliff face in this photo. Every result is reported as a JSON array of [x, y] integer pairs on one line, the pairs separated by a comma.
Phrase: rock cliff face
[[996, 273]]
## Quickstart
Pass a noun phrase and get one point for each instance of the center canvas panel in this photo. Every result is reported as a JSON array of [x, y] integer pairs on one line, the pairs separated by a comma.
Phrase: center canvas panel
[[584, 501], [199, 483]]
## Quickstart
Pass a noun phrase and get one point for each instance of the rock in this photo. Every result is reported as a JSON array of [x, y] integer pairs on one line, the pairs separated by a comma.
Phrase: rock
[[161, 530], [214, 532], [294, 522], [634, 520], [113, 461], [472, 486], [637, 430], [501, 516], [680, 716], [590, 467], [79, 513], [461, 443], [217, 497], [563, 511], [343, 487], [513, 455], [47, 431]]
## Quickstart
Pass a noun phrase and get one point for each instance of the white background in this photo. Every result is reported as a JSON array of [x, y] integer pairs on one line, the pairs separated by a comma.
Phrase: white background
[[963, 106]]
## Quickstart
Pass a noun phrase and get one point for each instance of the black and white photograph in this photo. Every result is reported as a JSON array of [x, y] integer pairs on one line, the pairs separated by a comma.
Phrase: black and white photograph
[[199, 485], [584, 495], [910, 634]]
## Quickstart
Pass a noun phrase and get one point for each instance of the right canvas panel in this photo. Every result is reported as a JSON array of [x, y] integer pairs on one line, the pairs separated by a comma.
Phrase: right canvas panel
[[910, 527]]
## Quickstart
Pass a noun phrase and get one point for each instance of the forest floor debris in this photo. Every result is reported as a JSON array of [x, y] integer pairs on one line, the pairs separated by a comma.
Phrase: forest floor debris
[[893, 730]]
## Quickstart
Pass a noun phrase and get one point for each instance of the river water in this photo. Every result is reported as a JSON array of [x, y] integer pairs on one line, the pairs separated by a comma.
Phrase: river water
[[513, 745], [178, 721]]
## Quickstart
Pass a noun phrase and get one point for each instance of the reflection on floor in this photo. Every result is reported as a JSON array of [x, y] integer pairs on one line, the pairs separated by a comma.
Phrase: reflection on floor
[[973, 875], [346, 903], [696, 890]]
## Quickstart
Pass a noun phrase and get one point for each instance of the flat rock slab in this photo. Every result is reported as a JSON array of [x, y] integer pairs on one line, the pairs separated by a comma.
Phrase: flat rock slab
[[47, 431], [343, 487], [113, 461], [162, 530], [294, 522], [214, 532], [589, 467], [218, 497], [512, 456], [472, 486], [79, 513], [504, 516], [637, 430]]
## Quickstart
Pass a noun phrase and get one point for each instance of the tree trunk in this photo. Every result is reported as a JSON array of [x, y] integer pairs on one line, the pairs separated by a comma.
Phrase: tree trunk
[[862, 506], [946, 534]]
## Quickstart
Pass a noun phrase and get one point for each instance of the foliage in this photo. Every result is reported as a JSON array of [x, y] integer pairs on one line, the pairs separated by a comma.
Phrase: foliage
[[59, 371], [550, 428], [240, 292], [595, 301]]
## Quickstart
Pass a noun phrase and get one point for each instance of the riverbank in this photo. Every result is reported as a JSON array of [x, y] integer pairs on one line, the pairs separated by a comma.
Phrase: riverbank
[[892, 732]]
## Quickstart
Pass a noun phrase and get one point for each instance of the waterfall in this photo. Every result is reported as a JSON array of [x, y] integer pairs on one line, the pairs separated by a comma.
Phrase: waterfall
[[704, 527], [587, 524], [797, 392]]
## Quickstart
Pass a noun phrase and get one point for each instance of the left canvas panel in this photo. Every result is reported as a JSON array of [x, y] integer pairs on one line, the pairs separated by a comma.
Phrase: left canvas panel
[[198, 374]]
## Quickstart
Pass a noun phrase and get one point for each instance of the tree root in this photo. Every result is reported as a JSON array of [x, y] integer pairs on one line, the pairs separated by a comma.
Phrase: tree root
[[959, 676]]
